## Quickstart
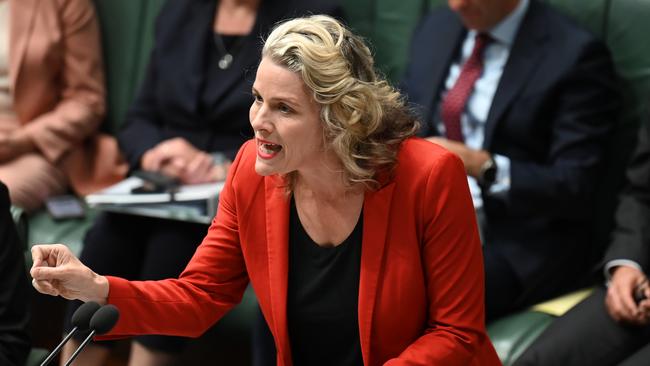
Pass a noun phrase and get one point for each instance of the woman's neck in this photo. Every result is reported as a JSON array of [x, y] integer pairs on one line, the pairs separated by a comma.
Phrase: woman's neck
[[237, 3], [328, 182], [235, 17]]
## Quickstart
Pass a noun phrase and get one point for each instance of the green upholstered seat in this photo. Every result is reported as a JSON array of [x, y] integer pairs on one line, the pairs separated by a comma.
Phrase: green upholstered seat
[[121, 32], [36, 356], [42, 229], [388, 25], [512, 335]]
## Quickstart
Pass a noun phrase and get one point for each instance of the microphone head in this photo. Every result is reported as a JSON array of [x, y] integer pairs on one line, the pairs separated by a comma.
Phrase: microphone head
[[81, 317], [104, 319]]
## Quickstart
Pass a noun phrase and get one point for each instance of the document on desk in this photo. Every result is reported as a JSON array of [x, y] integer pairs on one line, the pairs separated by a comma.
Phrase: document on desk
[[194, 202]]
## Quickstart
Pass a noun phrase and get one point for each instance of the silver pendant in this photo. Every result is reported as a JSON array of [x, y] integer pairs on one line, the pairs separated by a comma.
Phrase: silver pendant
[[225, 61]]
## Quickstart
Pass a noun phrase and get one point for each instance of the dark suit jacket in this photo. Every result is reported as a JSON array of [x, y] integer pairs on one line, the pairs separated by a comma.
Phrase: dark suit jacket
[[554, 106], [14, 290], [421, 276], [169, 101], [631, 239]]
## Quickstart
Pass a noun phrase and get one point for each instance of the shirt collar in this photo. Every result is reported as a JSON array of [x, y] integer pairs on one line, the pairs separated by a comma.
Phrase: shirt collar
[[506, 29]]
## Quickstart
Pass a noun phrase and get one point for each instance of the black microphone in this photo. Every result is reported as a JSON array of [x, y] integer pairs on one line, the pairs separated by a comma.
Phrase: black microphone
[[81, 321], [104, 320]]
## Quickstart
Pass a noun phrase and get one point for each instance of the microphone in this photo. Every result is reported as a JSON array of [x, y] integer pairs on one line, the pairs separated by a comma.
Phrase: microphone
[[104, 320], [81, 321]]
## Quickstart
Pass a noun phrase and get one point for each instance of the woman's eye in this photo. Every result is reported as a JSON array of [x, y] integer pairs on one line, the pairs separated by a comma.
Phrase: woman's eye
[[258, 99], [284, 108]]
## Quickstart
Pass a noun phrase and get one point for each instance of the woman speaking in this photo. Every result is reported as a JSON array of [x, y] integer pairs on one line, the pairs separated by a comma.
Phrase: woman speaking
[[359, 240]]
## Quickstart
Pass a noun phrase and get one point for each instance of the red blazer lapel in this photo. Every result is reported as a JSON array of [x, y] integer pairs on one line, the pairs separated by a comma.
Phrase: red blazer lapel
[[277, 232], [376, 215]]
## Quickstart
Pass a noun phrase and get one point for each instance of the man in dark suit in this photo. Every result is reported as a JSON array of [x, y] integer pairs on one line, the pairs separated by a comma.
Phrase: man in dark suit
[[526, 98], [14, 290], [612, 326]]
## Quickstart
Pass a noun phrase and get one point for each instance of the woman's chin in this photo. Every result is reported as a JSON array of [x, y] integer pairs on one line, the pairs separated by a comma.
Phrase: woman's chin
[[263, 169]]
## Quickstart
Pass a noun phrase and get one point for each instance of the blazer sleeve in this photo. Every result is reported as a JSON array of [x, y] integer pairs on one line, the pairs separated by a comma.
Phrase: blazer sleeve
[[585, 109], [453, 264], [212, 283], [631, 238], [82, 104]]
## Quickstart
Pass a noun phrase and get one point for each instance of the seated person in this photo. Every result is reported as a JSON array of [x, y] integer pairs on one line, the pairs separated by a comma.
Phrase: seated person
[[358, 238], [14, 290], [526, 99], [188, 120], [612, 326], [51, 96]]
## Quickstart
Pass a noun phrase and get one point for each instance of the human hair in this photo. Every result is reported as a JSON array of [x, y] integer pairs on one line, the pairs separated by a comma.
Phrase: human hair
[[364, 119]]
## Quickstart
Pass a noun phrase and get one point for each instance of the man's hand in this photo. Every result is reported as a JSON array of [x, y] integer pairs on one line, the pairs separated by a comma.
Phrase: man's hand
[[472, 159], [57, 272], [620, 302]]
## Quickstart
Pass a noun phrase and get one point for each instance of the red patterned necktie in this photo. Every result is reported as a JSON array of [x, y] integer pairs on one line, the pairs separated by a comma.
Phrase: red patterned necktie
[[456, 98]]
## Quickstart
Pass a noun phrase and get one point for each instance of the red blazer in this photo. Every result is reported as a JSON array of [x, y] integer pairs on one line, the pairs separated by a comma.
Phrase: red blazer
[[421, 298]]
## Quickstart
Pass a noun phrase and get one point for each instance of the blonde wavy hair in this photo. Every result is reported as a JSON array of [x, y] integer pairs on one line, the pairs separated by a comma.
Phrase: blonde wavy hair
[[365, 119]]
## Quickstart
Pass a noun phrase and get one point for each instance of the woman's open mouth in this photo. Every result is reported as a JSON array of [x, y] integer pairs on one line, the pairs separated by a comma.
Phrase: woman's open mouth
[[267, 149]]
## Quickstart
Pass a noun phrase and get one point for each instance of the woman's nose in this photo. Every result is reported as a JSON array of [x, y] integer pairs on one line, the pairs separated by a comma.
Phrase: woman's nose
[[260, 118]]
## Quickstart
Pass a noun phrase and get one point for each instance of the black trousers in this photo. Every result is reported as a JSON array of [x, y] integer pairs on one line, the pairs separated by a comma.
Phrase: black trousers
[[263, 348], [502, 287], [140, 248], [587, 335], [14, 290]]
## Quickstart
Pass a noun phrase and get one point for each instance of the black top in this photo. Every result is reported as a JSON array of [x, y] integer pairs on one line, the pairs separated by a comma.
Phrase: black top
[[209, 97], [322, 298]]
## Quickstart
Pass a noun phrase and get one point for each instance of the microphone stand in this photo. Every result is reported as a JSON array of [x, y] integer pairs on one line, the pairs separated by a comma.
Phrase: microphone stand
[[58, 348], [80, 348]]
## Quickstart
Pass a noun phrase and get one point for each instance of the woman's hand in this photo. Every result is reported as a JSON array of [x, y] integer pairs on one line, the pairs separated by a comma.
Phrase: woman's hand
[[14, 144], [57, 272], [620, 302], [179, 159]]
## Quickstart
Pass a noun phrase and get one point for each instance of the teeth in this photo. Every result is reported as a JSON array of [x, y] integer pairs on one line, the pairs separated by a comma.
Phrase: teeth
[[266, 150], [270, 148]]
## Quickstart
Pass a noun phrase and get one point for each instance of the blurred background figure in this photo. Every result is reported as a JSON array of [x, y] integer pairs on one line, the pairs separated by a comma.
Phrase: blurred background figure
[[188, 120], [14, 290], [526, 99], [51, 97]]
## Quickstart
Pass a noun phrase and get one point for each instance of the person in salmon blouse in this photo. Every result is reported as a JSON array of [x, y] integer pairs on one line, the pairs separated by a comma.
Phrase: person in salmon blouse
[[52, 101], [359, 239]]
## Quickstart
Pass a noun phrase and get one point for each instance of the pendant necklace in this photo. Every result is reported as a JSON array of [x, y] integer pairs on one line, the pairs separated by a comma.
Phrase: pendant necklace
[[226, 58]]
